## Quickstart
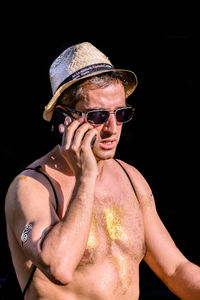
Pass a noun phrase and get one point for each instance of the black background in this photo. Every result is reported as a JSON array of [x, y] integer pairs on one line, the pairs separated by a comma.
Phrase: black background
[[156, 39]]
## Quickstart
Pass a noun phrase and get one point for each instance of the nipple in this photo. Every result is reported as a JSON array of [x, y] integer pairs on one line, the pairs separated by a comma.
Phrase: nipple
[[88, 256]]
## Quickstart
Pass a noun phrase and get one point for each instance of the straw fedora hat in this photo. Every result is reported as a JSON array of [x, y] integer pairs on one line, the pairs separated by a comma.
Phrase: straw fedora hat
[[78, 62]]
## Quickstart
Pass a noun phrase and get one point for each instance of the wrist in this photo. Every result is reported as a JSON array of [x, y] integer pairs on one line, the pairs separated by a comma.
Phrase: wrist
[[88, 178], [85, 188]]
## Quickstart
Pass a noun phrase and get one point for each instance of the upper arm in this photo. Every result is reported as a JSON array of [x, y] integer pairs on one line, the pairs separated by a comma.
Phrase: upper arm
[[162, 255], [30, 201]]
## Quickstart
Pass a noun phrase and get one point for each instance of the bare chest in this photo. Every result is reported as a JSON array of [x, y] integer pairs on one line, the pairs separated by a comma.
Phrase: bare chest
[[116, 227]]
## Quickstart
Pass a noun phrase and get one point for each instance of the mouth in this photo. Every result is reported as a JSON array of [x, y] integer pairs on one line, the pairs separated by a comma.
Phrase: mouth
[[107, 144]]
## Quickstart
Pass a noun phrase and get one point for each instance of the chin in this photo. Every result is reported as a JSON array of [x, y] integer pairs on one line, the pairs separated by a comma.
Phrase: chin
[[104, 155]]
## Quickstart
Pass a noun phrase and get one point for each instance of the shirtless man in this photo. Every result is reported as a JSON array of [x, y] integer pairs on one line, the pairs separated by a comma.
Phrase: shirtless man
[[79, 222]]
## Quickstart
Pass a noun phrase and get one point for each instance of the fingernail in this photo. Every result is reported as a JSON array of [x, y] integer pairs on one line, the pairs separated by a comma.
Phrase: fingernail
[[61, 128], [81, 120], [67, 120]]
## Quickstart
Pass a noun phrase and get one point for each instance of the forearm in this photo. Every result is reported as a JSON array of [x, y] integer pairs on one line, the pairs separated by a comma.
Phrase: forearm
[[185, 282], [64, 245]]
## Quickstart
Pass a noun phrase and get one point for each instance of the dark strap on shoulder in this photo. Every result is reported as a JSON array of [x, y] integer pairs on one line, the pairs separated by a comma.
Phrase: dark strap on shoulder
[[37, 169], [126, 175]]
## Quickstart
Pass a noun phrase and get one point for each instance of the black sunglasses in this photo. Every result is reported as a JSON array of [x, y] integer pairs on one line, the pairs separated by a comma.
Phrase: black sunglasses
[[100, 116]]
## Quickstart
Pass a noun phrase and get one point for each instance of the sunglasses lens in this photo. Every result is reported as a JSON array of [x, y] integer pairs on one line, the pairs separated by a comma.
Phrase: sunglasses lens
[[124, 115], [97, 117]]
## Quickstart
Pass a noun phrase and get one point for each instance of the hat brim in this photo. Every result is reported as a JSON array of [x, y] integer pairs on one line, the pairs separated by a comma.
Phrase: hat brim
[[129, 80]]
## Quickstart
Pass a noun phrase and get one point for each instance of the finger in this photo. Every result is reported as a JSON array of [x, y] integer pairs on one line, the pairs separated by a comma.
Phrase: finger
[[80, 133], [89, 139], [69, 132], [67, 121], [61, 127]]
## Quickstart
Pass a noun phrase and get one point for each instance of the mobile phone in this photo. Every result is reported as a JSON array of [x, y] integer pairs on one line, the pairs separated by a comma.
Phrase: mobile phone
[[58, 118]]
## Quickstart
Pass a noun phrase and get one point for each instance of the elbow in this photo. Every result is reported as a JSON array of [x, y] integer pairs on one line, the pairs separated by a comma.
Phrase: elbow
[[60, 276], [56, 271]]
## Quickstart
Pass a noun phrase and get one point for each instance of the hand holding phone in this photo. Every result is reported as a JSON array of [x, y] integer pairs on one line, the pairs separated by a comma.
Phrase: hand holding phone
[[59, 117], [75, 139]]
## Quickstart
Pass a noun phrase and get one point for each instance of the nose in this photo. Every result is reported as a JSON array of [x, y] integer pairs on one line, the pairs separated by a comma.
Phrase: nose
[[111, 124]]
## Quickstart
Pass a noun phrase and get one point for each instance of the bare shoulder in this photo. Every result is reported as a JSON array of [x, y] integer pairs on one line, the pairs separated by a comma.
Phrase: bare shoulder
[[26, 196], [141, 186], [134, 174], [23, 185]]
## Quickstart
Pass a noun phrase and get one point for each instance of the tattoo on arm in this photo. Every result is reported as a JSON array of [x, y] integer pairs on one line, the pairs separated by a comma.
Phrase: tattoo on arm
[[25, 233]]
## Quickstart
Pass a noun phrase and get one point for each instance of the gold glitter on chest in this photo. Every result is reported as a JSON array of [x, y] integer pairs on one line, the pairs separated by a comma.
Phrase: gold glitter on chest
[[92, 239], [124, 276], [114, 227]]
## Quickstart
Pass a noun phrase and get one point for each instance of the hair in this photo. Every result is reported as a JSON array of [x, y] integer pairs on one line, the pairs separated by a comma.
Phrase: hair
[[77, 91]]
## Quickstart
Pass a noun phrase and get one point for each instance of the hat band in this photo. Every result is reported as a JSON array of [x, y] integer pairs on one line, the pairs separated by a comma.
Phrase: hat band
[[85, 71]]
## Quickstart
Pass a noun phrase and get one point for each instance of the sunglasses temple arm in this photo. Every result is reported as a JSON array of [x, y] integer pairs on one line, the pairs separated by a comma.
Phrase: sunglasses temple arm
[[81, 114]]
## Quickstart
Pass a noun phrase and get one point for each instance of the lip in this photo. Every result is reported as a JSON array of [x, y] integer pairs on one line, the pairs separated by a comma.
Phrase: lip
[[107, 144]]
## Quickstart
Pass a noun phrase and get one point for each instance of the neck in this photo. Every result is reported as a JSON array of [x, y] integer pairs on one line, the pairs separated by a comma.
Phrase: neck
[[100, 165], [59, 163]]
